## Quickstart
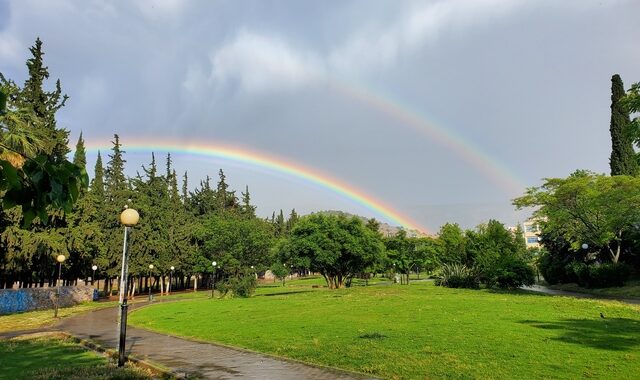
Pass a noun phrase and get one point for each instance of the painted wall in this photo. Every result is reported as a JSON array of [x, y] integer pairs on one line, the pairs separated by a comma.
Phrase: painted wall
[[19, 300]]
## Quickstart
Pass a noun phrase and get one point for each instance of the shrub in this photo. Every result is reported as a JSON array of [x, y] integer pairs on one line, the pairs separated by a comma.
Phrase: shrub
[[241, 285], [556, 269], [458, 276], [601, 276], [511, 273]]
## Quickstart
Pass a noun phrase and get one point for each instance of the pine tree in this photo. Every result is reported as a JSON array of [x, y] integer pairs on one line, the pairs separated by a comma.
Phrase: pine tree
[[45, 104], [280, 227], [622, 161], [293, 219], [80, 155], [247, 209], [84, 237], [226, 199], [97, 184], [185, 191], [117, 193]]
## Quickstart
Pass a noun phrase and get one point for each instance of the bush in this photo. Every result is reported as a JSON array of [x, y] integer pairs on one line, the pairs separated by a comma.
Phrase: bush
[[242, 285], [512, 273], [458, 276], [556, 269], [601, 276]]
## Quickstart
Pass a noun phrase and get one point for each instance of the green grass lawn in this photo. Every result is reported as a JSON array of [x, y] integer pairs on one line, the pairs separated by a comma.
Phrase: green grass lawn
[[43, 318], [630, 290], [418, 331], [57, 358]]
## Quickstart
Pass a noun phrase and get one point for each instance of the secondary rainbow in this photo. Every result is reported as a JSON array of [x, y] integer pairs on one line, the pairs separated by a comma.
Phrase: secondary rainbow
[[500, 174], [263, 160]]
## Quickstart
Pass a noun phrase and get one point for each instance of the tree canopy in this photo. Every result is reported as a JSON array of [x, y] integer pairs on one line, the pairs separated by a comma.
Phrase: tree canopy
[[588, 208], [335, 246]]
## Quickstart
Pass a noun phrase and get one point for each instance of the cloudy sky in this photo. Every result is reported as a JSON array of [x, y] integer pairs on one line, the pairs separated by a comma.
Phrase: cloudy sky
[[441, 110]]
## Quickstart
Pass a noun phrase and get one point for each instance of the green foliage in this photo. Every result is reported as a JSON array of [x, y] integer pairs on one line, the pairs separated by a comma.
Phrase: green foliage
[[511, 273], [601, 275], [556, 269], [235, 242], [623, 160], [588, 208], [458, 276], [34, 172], [242, 284], [281, 271], [452, 243], [335, 246]]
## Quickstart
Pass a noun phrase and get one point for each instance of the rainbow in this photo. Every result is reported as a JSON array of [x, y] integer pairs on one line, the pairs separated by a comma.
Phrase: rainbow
[[263, 160], [495, 170]]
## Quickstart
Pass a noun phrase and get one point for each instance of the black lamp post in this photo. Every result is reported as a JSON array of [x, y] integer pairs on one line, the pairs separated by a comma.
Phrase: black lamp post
[[170, 276], [150, 269], [129, 218], [213, 277], [60, 259], [93, 275]]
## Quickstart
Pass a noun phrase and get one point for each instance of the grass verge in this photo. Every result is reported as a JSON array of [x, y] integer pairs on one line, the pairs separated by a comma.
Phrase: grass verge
[[57, 358], [418, 331]]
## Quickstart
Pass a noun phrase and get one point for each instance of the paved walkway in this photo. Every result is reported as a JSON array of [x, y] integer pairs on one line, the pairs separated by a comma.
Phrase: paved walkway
[[190, 358], [555, 292]]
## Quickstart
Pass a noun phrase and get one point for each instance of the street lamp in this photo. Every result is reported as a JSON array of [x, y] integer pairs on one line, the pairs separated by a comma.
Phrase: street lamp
[[129, 218], [60, 259], [93, 276], [585, 246], [170, 276], [213, 277], [150, 269]]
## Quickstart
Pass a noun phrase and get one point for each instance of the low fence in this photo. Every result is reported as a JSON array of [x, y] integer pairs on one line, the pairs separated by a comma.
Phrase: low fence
[[27, 299]]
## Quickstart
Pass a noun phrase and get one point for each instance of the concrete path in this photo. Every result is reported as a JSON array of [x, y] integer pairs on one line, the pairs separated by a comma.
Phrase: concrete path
[[184, 357], [555, 292]]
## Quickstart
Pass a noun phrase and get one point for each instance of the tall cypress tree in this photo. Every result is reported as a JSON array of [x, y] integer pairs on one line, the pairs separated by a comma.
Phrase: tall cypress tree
[[622, 161], [45, 104]]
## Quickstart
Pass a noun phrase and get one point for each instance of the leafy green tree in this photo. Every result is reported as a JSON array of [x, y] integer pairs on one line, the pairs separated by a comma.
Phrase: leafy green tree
[[588, 208], [451, 241], [404, 254], [623, 160], [335, 246], [236, 242], [280, 271]]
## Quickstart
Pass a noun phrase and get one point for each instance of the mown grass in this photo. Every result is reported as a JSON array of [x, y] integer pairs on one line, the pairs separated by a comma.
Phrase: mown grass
[[418, 331], [57, 358], [44, 318], [630, 290]]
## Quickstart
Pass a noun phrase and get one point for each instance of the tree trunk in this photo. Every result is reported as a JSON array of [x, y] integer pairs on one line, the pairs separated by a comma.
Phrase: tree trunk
[[161, 284], [195, 283]]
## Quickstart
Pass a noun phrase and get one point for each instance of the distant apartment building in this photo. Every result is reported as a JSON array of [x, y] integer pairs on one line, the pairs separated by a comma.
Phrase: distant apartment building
[[532, 232]]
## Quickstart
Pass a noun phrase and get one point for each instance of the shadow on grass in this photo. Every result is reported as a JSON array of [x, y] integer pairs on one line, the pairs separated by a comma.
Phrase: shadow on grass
[[613, 334]]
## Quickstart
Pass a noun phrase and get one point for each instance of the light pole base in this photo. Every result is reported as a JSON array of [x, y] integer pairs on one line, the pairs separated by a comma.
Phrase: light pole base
[[123, 333]]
